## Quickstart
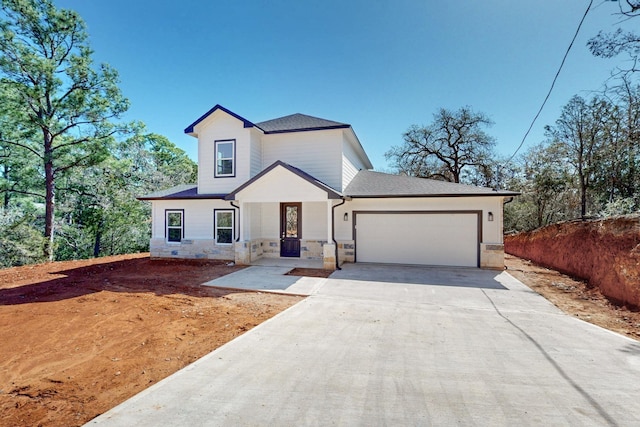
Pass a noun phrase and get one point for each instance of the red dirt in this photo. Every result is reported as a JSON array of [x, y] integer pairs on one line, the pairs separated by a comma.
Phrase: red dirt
[[605, 253], [80, 337], [575, 297]]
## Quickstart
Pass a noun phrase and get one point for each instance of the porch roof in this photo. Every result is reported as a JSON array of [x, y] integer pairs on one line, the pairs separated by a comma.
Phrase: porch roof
[[180, 192], [331, 193]]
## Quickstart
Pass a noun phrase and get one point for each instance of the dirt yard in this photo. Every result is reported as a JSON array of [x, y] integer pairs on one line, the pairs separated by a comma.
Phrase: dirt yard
[[575, 297], [79, 337]]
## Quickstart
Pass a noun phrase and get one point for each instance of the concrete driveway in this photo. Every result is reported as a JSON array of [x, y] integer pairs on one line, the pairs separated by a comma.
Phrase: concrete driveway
[[390, 345]]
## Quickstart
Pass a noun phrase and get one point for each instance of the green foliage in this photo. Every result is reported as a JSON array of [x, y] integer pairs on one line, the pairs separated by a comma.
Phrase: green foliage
[[20, 242], [68, 169], [62, 106]]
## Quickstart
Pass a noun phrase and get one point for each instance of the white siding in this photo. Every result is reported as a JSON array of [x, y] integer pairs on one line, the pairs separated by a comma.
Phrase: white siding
[[271, 221], [198, 217], [281, 185], [316, 152], [314, 221], [350, 164], [254, 213], [256, 152], [221, 126]]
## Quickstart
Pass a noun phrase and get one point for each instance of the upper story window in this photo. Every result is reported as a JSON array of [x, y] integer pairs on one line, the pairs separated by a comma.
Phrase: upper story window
[[225, 158], [174, 221]]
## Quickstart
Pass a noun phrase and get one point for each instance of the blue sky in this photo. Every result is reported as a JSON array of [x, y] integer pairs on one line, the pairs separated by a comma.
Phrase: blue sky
[[380, 66]]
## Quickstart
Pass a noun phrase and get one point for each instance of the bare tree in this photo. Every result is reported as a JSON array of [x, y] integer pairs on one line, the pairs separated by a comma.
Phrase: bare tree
[[454, 147]]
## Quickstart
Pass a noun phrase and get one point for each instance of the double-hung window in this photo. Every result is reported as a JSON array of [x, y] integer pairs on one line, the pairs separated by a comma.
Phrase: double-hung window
[[174, 220], [225, 158], [224, 221]]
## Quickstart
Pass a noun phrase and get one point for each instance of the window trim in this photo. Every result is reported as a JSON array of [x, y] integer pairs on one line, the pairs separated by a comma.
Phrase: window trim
[[232, 228], [215, 160], [166, 225]]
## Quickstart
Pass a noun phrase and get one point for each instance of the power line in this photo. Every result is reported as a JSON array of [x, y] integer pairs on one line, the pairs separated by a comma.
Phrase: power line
[[553, 83]]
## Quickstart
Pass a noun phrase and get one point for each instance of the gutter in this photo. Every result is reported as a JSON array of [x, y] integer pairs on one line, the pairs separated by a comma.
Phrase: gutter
[[238, 208], [333, 228]]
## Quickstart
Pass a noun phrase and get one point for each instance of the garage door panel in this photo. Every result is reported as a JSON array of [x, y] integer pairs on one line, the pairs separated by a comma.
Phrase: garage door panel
[[418, 238]]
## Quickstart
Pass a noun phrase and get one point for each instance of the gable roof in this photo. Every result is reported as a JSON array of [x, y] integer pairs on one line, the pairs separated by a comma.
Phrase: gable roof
[[377, 184], [298, 123], [291, 123], [331, 193], [180, 192], [246, 123]]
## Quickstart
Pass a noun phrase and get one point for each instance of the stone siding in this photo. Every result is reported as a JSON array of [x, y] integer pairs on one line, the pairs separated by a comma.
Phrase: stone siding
[[492, 256], [346, 251], [191, 249]]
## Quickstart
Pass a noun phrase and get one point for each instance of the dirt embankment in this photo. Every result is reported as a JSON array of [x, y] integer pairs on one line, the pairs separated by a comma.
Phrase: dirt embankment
[[605, 253]]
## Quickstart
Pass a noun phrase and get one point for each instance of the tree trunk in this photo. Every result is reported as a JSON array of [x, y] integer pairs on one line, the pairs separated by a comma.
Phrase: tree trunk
[[583, 197], [49, 196], [97, 242]]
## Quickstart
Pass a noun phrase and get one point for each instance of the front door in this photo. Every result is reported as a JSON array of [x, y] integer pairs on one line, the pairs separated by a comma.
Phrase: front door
[[290, 229]]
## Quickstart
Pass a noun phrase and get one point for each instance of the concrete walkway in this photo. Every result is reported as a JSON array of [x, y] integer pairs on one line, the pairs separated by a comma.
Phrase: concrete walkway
[[389, 345]]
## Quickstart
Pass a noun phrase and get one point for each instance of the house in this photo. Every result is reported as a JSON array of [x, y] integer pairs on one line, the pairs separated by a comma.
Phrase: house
[[302, 187]]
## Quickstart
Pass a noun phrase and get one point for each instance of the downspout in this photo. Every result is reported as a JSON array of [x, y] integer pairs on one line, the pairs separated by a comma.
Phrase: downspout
[[333, 229], [237, 207], [507, 201]]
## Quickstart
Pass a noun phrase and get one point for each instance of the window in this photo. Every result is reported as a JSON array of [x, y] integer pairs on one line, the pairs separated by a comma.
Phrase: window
[[175, 225], [224, 226], [225, 158]]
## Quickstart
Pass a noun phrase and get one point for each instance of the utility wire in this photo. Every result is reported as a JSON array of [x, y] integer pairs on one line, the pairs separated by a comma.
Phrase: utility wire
[[553, 83]]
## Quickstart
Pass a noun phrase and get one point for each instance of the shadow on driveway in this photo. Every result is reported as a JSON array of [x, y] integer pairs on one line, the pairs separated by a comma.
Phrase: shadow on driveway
[[420, 275]]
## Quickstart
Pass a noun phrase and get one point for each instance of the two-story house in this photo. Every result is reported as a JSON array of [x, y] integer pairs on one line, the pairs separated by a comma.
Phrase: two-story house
[[300, 186]]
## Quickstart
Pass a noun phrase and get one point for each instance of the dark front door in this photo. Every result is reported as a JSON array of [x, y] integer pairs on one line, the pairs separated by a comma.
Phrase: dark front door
[[290, 229]]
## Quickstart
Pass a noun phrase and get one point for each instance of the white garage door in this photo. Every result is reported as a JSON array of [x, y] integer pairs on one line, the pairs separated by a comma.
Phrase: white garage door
[[428, 238]]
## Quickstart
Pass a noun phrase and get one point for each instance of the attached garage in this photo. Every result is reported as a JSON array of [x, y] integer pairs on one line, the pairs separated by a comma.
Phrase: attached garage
[[449, 238]]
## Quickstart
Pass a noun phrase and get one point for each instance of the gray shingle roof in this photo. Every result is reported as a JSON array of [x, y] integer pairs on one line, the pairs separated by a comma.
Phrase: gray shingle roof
[[183, 191], [298, 122], [377, 184]]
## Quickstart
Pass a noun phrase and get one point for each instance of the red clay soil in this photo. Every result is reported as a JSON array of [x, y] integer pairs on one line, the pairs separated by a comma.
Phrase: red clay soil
[[79, 337], [605, 253]]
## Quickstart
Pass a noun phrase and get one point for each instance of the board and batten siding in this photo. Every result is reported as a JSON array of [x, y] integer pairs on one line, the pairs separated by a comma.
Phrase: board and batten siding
[[318, 153], [491, 230], [221, 126], [198, 217]]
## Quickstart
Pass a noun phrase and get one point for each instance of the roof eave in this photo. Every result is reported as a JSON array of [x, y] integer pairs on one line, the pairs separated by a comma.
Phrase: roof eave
[[431, 195], [190, 130], [307, 129], [196, 197]]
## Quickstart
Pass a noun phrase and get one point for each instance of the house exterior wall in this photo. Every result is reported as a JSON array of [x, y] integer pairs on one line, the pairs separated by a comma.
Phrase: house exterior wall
[[283, 186], [198, 234], [491, 230], [318, 153], [352, 162], [255, 154], [221, 126], [491, 243]]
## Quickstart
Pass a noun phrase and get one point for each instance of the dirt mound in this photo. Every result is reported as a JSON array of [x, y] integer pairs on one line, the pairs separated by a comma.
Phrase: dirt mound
[[605, 253]]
